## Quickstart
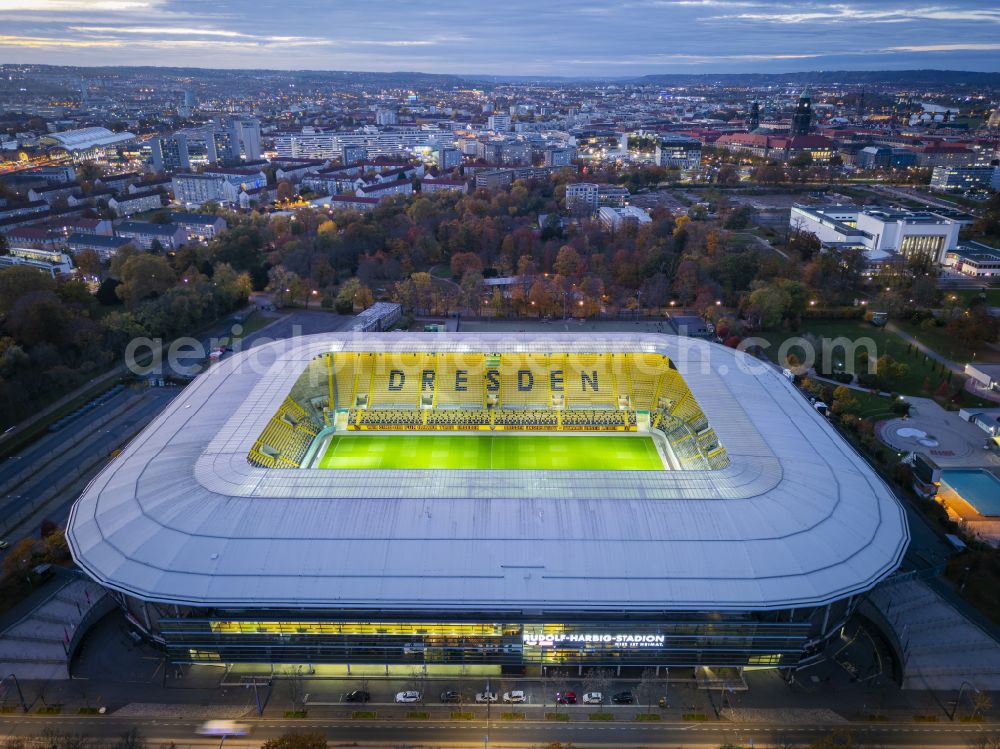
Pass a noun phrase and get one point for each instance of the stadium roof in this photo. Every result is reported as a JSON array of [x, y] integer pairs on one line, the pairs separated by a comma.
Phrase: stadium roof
[[86, 138], [796, 519]]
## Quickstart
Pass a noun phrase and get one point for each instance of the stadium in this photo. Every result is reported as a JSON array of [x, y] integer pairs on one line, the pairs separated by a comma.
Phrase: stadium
[[489, 504]]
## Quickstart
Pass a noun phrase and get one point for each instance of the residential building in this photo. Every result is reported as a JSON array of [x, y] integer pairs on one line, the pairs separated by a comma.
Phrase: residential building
[[385, 117], [353, 154], [199, 226], [559, 156], [386, 189], [170, 153], [198, 189], [430, 185], [143, 234], [245, 134], [128, 204], [244, 178], [449, 158], [356, 202], [104, 246], [251, 197]]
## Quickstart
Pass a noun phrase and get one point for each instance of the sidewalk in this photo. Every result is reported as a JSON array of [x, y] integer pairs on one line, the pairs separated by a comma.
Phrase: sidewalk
[[953, 366]]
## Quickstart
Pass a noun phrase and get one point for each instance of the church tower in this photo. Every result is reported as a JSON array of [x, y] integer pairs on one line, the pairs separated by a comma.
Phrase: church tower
[[754, 121], [802, 119]]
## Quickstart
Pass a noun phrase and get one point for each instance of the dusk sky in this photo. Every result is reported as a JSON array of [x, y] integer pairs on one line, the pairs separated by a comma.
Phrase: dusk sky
[[543, 37]]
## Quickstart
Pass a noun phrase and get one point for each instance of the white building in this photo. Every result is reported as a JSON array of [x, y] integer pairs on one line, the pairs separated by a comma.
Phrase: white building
[[498, 122], [46, 261], [880, 231], [581, 197], [962, 178], [614, 218], [198, 189]]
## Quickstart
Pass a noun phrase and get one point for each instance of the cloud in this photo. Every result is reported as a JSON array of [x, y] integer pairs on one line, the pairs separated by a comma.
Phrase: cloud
[[848, 13], [113, 6], [956, 47]]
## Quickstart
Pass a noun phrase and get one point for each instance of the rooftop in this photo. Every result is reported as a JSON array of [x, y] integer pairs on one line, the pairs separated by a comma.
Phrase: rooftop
[[796, 519]]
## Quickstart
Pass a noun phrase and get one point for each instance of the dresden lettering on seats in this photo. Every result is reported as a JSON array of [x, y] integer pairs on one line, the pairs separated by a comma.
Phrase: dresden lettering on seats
[[525, 380]]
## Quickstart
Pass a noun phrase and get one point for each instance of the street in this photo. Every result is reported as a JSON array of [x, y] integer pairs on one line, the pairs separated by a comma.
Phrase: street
[[464, 733]]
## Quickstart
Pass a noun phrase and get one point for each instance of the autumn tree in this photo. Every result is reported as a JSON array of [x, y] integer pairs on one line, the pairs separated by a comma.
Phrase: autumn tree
[[144, 276]]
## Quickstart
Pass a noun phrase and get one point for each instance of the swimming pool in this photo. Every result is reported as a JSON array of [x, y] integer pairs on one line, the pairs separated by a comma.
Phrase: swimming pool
[[979, 488]]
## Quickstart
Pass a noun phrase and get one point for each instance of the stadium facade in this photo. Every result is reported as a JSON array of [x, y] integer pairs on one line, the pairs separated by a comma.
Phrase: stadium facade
[[224, 542]]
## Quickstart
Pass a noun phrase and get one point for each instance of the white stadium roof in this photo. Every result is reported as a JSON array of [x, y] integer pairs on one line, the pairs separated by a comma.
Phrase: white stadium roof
[[796, 519], [86, 138]]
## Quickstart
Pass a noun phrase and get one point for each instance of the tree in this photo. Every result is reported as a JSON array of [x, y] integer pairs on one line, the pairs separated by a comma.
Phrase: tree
[[648, 688], [465, 262], [21, 558], [558, 684], [144, 276], [285, 191], [89, 263], [297, 741], [598, 680], [568, 263]]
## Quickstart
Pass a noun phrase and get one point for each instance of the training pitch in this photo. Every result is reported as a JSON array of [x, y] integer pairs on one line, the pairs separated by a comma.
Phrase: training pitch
[[492, 452]]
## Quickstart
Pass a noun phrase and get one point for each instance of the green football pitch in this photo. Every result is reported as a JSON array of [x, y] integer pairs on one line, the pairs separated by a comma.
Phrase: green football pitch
[[492, 451]]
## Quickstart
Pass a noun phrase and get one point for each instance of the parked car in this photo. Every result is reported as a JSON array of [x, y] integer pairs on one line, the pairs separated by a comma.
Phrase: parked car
[[516, 696], [485, 697], [358, 695], [408, 696], [451, 696], [623, 698], [566, 698], [593, 698]]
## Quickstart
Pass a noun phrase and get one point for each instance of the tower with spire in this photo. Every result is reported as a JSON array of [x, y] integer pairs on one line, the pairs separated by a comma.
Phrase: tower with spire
[[802, 118], [754, 121]]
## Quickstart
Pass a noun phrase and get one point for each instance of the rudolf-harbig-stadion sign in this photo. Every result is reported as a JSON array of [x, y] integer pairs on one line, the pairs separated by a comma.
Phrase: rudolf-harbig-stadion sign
[[620, 640]]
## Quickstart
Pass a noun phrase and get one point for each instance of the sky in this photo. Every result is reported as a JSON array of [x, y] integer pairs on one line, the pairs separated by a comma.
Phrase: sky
[[513, 37]]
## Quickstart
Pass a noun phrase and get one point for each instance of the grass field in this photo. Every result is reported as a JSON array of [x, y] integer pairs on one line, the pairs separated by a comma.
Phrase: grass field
[[492, 452]]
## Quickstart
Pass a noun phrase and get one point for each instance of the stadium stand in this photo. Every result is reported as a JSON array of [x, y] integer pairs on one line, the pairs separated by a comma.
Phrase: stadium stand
[[460, 382], [285, 439], [588, 381], [525, 381], [476, 391], [526, 418]]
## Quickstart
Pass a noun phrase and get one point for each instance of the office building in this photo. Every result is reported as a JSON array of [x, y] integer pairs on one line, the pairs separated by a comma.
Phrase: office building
[[615, 218], [498, 123], [962, 179], [678, 153]]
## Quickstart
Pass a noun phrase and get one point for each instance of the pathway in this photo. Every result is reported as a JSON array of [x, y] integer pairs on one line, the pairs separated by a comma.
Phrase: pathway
[[953, 366]]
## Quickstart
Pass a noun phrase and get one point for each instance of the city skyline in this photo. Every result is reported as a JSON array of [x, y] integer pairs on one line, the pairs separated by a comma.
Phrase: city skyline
[[579, 39]]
